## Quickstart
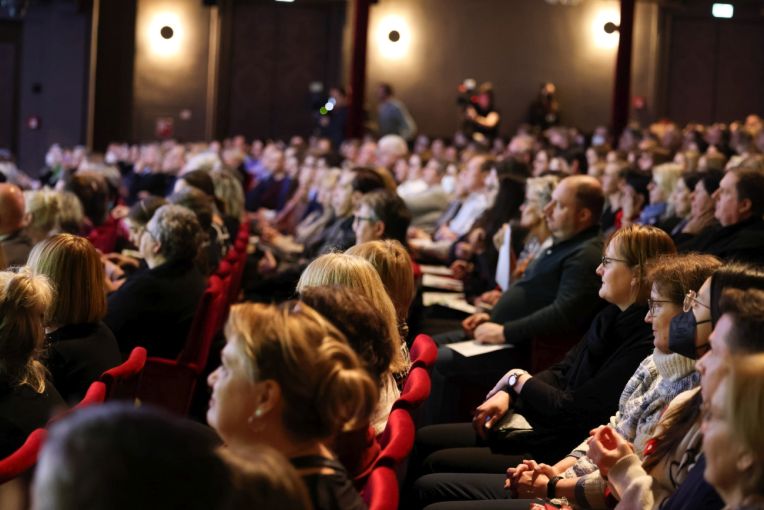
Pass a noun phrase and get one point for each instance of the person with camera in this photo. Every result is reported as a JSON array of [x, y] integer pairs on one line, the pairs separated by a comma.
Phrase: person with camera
[[481, 119]]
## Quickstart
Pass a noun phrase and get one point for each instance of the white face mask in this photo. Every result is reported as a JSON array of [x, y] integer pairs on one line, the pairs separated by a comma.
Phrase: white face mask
[[449, 184]]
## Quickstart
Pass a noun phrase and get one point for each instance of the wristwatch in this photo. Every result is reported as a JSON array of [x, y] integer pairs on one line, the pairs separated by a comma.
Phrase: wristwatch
[[551, 487], [512, 380]]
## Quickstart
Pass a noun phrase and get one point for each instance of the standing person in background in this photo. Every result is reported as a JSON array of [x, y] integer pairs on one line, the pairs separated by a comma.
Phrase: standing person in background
[[393, 116], [481, 117]]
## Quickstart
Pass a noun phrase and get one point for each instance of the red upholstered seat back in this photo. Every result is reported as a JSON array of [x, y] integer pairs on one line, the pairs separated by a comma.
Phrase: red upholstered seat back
[[23, 459], [397, 440], [423, 352], [416, 389], [381, 491], [123, 380]]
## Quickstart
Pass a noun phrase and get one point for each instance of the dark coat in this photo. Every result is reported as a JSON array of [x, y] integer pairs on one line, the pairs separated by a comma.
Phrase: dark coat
[[21, 411], [155, 308], [78, 354], [741, 242]]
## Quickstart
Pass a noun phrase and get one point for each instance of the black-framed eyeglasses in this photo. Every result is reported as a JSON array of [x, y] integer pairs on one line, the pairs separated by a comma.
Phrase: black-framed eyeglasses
[[690, 300], [654, 304], [607, 260], [358, 219]]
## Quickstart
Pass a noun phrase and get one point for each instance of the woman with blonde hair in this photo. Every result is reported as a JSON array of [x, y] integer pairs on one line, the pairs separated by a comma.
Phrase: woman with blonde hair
[[358, 274], [289, 380], [43, 208], [26, 398], [80, 346], [393, 263]]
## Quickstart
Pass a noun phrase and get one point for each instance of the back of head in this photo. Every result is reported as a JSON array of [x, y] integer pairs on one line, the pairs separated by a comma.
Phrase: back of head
[[93, 193], [230, 192], [354, 315], [638, 244], [11, 208], [74, 267], [393, 144], [733, 275], [359, 275], [200, 180], [674, 275], [366, 180], [745, 414], [390, 209], [711, 180], [746, 307], [24, 300], [43, 207], [197, 201], [141, 212], [119, 457], [178, 232], [323, 385], [750, 186], [265, 479], [393, 264], [71, 214], [589, 195]]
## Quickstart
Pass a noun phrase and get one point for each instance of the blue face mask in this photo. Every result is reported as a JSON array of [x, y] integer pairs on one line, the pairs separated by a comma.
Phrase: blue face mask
[[682, 331]]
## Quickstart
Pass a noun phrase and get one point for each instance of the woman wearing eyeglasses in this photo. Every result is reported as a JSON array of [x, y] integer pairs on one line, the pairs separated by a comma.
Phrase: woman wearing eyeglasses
[[645, 481], [557, 406]]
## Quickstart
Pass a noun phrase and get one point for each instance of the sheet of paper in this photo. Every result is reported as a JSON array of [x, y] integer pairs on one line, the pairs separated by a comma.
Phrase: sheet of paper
[[442, 282], [437, 270], [471, 348], [451, 300], [503, 269]]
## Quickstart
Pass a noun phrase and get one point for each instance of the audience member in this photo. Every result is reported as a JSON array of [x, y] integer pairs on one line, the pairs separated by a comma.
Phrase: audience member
[[155, 306], [80, 346], [381, 214], [290, 381], [555, 297], [27, 398], [43, 209], [393, 116], [14, 241], [116, 456]]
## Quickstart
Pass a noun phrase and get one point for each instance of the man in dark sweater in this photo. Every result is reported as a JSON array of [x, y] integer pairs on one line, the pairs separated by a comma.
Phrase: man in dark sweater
[[739, 209], [556, 297]]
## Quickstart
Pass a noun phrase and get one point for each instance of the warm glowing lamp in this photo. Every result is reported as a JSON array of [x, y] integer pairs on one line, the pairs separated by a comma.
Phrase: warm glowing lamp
[[164, 34], [394, 37], [605, 28]]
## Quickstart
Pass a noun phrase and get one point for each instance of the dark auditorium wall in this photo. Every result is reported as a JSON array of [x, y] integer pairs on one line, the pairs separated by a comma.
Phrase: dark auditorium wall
[[516, 44], [166, 84], [270, 54], [54, 78]]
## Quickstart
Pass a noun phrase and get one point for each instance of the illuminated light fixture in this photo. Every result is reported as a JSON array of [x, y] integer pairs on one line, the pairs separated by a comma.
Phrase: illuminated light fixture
[[287, 1], [165, 34], [722, 10], [605, 28], [394, 37]]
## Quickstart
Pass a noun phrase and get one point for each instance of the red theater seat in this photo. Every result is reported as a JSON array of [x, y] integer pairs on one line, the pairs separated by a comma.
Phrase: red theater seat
[[23, 459], [123, 380]]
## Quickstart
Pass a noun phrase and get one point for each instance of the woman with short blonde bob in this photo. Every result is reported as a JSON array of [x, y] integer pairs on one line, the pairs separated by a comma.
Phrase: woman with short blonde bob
[[288, 379], [393, 263], [360, 275], [80, 346]]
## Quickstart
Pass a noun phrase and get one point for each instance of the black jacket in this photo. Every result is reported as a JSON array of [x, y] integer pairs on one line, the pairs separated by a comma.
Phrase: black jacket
[[694, 492], [742, 242], [77, 355], [21, 411], [582, 391], [155, 308], [557, 295]]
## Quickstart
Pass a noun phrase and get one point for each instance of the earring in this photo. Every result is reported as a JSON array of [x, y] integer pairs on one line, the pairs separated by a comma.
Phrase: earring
[[259, 412]]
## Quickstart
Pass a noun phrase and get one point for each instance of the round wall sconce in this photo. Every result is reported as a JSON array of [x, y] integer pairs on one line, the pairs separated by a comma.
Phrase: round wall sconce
[[166, 32], [394, 36], [611, 27]]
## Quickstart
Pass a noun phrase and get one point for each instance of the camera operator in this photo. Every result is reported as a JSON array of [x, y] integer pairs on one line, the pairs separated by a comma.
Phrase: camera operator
[[545, 110], [481, 120]]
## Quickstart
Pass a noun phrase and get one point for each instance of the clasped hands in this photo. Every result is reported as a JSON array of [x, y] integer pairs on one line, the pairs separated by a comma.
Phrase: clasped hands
[[606, 447], [529, 479], [478, 326]]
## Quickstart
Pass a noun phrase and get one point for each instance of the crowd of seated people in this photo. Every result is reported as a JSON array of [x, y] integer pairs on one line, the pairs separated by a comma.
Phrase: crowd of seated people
[[626, 261]]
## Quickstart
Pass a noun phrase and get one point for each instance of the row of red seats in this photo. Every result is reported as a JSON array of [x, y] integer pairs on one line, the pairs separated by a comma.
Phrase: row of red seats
[[397, 440], [171, 383]]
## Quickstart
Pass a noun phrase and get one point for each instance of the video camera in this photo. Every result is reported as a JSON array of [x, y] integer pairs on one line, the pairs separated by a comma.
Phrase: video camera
[[466, 93]]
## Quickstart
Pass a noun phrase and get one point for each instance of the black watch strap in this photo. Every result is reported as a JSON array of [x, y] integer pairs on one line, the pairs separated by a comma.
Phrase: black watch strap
[[551, 487]]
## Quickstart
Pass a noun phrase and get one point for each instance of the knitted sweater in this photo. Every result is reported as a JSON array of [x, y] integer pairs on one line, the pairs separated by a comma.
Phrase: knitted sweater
[[659, 378], [638, 489]]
